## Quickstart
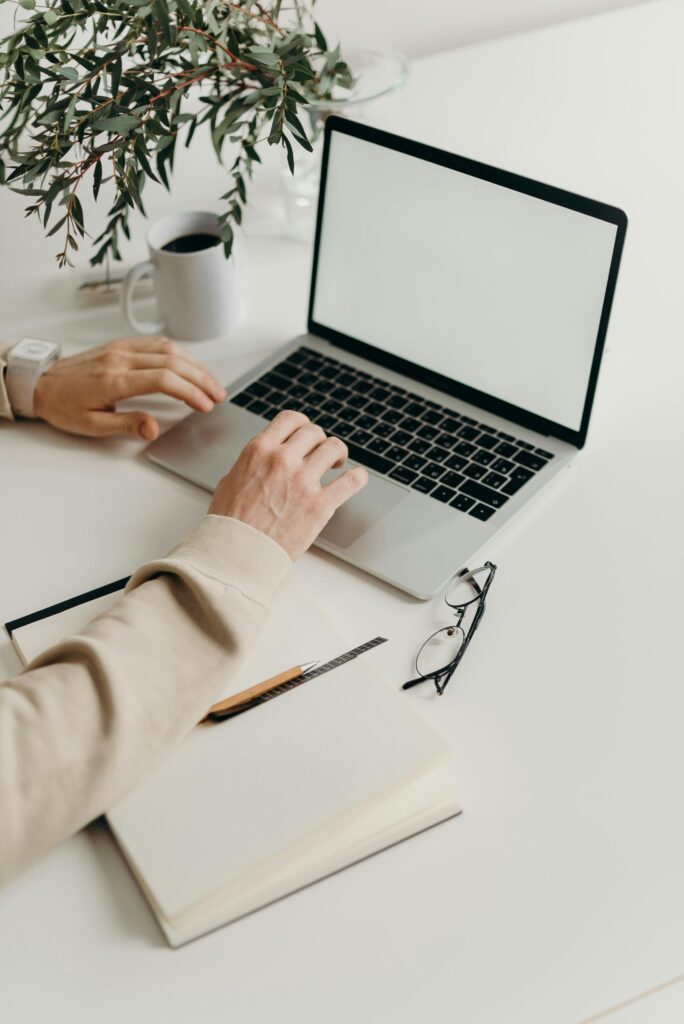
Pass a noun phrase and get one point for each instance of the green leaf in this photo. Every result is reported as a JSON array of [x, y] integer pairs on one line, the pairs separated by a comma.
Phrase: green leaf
[[28, 5], [70, 73], [290, 155], [320, 38], [50, 17], [118, 123]]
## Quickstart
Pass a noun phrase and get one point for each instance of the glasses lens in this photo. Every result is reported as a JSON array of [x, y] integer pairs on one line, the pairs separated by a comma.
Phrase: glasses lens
[[463, 589], [439, 650]]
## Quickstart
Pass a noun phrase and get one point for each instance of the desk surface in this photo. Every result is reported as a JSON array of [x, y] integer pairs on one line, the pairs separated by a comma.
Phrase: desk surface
[[560, 891]]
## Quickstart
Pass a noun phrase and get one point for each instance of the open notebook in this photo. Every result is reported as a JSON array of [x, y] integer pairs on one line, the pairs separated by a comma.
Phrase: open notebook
[[246, 811]]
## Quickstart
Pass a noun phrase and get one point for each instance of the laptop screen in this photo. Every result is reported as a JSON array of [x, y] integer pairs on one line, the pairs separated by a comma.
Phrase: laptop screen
[[488, 286]]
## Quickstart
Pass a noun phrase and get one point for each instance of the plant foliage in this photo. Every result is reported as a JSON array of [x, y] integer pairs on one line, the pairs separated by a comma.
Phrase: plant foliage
[[99, 91]]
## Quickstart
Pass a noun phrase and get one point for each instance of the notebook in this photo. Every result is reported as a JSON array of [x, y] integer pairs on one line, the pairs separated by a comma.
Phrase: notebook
[[246, 811]]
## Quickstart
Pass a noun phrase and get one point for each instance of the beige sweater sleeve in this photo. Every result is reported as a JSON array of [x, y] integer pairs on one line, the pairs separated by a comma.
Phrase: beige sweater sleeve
[[92, 714], [5, 407]]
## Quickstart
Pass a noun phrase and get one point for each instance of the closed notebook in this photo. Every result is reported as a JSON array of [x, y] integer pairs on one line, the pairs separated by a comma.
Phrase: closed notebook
[[248, 810]]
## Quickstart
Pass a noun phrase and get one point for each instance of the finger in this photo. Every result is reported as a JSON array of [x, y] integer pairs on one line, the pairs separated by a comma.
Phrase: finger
[[165, 382], [192, 372], [328, 455], [345, 486], [283, 426], [158, 343], [304, 440], [123, 424]]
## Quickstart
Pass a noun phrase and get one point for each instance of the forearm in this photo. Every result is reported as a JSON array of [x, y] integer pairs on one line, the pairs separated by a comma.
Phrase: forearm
[[94, 713]]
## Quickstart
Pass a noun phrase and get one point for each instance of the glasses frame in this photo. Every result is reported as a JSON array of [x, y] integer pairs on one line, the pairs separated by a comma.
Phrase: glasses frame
[[442, 676]]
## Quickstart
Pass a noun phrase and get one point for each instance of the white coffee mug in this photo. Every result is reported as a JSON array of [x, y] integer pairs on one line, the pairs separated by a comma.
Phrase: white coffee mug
[[197, 291]]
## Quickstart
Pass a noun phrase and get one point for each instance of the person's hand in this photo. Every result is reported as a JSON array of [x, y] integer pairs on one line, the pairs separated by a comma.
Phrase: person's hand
[[79, 394], [275, 485]]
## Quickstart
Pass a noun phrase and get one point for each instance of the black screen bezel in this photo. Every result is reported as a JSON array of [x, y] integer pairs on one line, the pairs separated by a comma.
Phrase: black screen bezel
[[507, 179]]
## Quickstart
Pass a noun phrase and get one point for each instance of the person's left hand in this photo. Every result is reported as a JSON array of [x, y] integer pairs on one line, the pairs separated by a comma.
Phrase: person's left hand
[[79, 394]]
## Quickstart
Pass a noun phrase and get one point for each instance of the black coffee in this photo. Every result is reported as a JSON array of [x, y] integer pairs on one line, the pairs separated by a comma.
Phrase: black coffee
[[191, 243]]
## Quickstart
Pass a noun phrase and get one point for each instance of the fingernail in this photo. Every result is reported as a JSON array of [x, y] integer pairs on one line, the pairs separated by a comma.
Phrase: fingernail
[[146, 430]]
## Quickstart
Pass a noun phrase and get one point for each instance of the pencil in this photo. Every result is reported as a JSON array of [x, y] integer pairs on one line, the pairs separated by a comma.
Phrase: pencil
[[245, 696]]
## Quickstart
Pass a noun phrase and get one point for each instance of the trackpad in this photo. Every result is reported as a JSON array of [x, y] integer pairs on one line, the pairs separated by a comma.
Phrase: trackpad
[[361, 512]]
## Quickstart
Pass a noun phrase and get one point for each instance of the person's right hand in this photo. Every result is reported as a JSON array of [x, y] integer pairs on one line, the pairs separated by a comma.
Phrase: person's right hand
[[275, 485]]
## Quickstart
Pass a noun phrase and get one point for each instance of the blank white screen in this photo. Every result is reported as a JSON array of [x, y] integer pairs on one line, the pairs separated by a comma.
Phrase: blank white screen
[[487, 286]]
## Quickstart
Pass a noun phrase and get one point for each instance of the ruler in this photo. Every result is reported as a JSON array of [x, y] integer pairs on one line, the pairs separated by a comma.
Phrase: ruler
[[314, 673]]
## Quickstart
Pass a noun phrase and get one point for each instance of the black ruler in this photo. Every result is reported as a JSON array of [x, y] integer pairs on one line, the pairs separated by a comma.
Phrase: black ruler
[[319, 670]]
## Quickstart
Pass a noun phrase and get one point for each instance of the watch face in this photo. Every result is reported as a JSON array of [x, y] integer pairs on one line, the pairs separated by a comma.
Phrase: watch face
[[34, 349]]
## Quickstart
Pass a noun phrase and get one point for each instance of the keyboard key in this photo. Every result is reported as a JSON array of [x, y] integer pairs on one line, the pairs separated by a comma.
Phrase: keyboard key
[[525, 445], [486, 428], [482, 512], [242, 399], [465, 448], [502, 466], [300, 356], [403, 475], [341, 393], [452, 479], [401, 437], [534, 462], [428, 432], [396, 402], [456, 462], [329, 372], [517, 479], [463, 502], [383, 429], [419, 445], [432, 416], [468, 433], [446, 440], [391, 415], [438, 454], [331, 405], [477, 490], [299, 391], [361, 437], [415, 462], [374, 409], [506, 449], [326, 420], [380, 394], [258, 406], [274, 380], [414, 409], [423, 484], [378, 444], [395, 453], [368, 458], [484, 458], [358, 401], [365, 422], [343, 430], [287, 370], [411, 424], [467, 419], [494, 480], [506, 437], [545, 455], [451, 425], [487, 441], [474, 471], [258, 389], [347, 414], [442, 493], [347, 380], [433, 470]]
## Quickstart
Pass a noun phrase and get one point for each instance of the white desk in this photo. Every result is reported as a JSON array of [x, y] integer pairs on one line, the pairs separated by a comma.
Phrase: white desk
[[560, 891]]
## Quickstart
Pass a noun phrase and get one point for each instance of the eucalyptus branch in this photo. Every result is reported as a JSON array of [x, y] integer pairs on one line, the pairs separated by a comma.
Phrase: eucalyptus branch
[[89, 82]]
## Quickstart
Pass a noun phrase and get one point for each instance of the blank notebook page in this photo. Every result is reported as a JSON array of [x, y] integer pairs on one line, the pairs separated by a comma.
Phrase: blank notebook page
[[225, 800]]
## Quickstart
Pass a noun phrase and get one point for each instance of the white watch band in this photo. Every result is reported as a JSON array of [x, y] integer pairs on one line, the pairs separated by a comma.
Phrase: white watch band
[[26, 362]]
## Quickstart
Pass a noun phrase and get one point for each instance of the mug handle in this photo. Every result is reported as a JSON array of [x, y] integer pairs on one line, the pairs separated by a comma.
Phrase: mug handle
[[145, 269]]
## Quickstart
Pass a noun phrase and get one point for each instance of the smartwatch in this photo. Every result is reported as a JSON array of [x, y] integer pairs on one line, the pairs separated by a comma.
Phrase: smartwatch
[[25, 363]]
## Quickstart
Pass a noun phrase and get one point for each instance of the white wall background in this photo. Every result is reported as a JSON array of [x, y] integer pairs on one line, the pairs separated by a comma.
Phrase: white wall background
[[426, 26]]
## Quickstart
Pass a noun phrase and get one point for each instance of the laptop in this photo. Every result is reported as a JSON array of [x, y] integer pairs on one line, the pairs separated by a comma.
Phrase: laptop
[[457, 318]]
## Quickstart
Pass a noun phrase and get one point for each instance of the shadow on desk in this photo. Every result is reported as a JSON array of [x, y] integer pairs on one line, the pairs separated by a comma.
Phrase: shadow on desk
[[130, 911]]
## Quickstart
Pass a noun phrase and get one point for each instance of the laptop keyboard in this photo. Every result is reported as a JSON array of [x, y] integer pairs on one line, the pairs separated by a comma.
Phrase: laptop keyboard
[[450, 457]]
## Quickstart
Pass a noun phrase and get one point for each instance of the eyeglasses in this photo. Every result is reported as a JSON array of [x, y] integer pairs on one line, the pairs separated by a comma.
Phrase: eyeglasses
[[441, 654]]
